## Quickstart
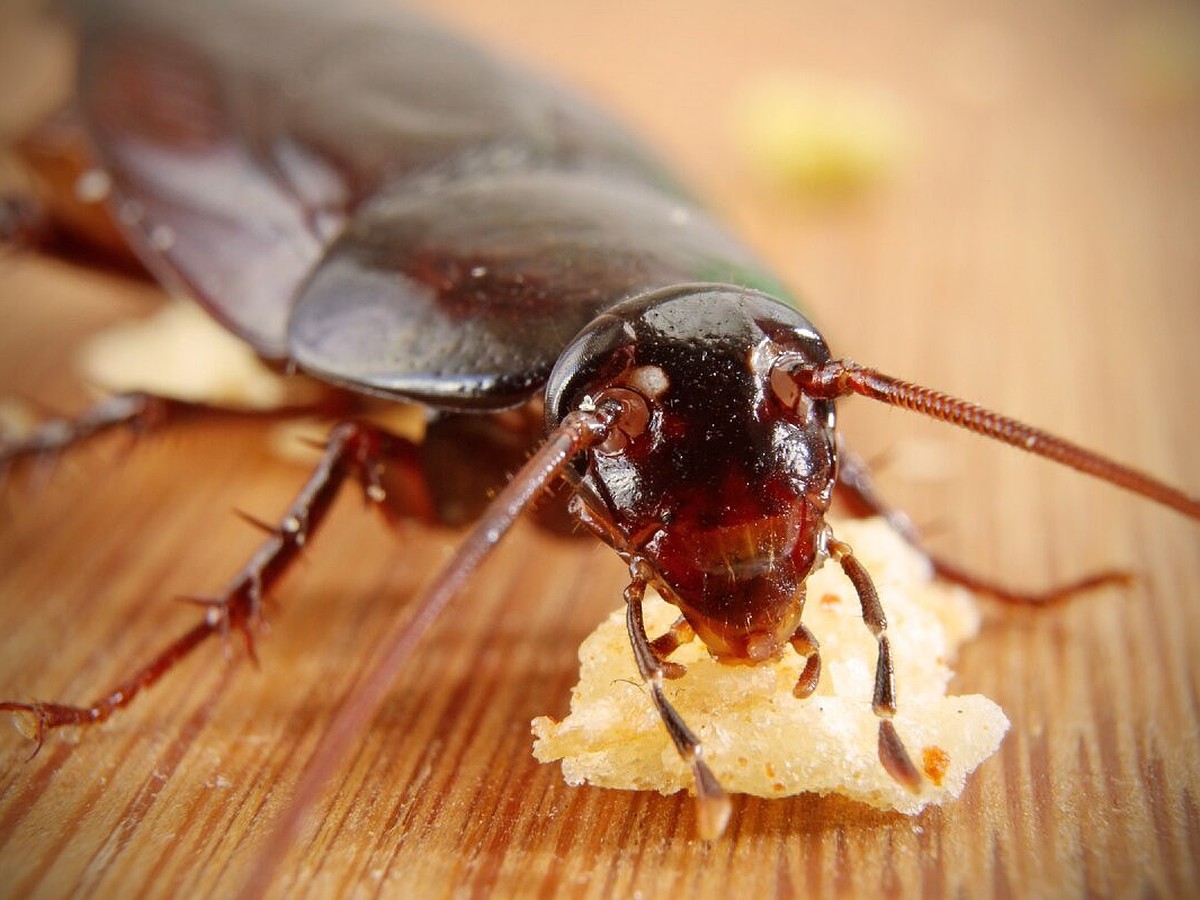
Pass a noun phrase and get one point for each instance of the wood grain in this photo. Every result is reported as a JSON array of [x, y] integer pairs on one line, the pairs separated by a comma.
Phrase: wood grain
[[1036, 250]]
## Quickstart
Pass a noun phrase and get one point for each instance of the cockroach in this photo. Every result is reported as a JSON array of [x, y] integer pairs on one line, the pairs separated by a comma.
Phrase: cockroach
[[437, 226]]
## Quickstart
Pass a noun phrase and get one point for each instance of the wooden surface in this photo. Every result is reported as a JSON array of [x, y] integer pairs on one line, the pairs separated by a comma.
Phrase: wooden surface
[[1036, 249]]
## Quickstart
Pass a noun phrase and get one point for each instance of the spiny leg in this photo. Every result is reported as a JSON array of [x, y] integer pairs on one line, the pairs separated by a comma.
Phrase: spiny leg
[[805, 643], [672, 639], [138, 413], [892, 754], [712, 803], [354, 449], [856, 487], [575, 434]]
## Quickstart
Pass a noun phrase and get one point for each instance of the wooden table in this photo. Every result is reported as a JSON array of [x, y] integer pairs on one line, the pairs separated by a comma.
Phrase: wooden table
[[1036, 248]]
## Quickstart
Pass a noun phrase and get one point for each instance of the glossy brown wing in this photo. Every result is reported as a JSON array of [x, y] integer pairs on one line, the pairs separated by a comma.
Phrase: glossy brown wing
[[204, 208], [241, 134], [464, 295]]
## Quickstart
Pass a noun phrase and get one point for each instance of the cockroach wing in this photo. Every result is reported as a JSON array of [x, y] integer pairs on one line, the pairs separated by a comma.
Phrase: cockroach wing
[[463, 295], [235, 223], [241, 134]]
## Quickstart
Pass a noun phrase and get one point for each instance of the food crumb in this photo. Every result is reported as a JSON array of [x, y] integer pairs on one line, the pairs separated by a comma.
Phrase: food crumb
[[182, 353], [817, 140], [826, 744]]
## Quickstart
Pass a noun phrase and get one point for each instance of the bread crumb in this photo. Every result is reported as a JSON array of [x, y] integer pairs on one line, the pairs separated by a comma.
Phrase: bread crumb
[[757, 737], [815, 139], [182, 353]]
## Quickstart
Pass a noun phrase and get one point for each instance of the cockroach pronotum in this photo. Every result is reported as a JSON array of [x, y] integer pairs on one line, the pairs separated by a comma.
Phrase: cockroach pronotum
[[475, 240]]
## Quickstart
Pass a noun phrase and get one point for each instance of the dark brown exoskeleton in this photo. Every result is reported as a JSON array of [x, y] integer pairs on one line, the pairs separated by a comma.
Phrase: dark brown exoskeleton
[[713, 485], [439, 227]]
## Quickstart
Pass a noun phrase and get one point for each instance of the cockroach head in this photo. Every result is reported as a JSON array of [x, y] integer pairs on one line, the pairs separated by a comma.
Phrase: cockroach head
[[718, 471]]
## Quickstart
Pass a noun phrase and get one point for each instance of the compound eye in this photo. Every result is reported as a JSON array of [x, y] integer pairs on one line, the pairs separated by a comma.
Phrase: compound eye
[[632, 421]]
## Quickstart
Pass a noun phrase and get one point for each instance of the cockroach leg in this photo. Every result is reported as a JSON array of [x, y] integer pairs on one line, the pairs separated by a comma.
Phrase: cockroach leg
[[892, 754], [354, 449], [219, 607], [665, 644], [138, 413], [712, 803], [857, 489], [576, 433], [805, 643], [1050, 596]]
